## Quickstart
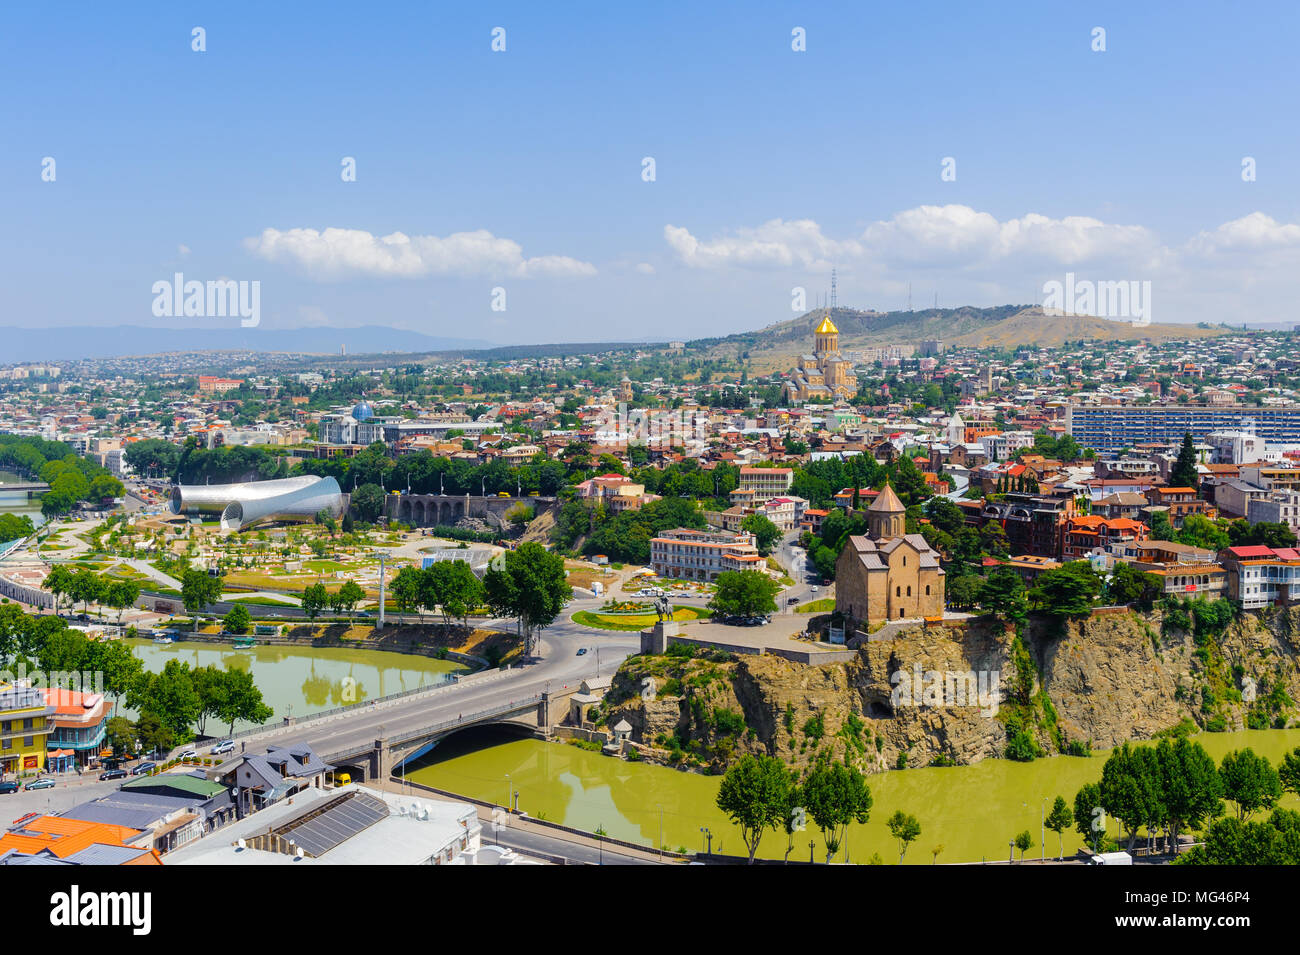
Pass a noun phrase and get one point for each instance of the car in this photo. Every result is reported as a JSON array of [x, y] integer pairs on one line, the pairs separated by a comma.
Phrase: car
[[814, 588], [792, 600], [188, 754], [113, 774], [145, 767], [8, 787], [225, 746], [40, 784], [582, 651]]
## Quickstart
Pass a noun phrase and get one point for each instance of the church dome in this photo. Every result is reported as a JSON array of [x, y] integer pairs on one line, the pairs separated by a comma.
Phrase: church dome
[[827, 327]]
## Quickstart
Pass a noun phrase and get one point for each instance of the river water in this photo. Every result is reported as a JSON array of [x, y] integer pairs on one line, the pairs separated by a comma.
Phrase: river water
[[296, 681], [972, 811], [18, 502]]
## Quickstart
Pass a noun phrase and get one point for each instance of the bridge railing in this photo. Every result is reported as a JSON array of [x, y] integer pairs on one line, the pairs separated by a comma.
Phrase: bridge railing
[[501, 708], [360, 706]]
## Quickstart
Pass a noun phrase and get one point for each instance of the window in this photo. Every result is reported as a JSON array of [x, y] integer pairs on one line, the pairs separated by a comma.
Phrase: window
[[909, 590], [27, 740], [927, 590], [898, 591]]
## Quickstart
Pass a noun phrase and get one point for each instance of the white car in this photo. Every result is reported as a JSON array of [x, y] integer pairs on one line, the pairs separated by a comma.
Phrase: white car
[[188, 754], [225, 746]]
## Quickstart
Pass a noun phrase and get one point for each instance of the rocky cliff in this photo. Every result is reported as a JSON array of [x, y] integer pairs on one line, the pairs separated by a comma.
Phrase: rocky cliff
[[961, 693]]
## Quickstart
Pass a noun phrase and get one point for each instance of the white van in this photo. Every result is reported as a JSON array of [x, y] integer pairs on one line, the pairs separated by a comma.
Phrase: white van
[[1111, 858]]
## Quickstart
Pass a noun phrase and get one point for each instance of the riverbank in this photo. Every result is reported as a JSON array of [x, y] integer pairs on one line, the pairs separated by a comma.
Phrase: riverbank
[[972, 812]]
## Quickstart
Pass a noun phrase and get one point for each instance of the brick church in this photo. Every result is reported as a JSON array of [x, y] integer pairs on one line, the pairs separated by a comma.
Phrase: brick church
[[888, 574]]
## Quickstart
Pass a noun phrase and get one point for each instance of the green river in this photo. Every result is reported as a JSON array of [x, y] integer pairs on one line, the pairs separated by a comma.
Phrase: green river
[[973, 812], [302, 680]]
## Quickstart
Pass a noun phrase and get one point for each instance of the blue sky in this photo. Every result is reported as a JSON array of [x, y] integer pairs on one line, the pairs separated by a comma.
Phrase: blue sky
[[522, 169]]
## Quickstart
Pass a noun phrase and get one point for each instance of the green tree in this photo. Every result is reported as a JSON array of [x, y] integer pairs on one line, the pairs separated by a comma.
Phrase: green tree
[[1189, 785], [1067, 591], [1003, 594], [1058, 820], [198, 589], [1128, 585], [368, 502], [765, 532], [120, 594], [243, 701], [837, 795], [1184, 473], [237, 620], [120, 735], [1249, 782], [530, 586], [406, 590], [1090, 816], [746, 593], [755, 795], [348, 596], [1231, 841], [905, 829], [1024, 842], [315, 598]]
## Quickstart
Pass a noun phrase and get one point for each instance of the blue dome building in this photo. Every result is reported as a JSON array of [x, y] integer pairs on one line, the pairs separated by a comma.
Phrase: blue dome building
[[363, 411]]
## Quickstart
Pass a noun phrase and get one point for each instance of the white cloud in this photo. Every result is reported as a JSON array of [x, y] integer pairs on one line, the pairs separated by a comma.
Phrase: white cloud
[[951, 236], [183, 249], [337, 253], [645, 268], [1256, 232], [774, 244]]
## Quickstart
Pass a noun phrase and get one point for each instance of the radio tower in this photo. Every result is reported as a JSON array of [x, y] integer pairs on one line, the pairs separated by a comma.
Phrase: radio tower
[[833, 303]]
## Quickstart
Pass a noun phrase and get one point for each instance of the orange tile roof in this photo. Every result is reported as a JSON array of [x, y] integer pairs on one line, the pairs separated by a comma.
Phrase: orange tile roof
[[63, 836]]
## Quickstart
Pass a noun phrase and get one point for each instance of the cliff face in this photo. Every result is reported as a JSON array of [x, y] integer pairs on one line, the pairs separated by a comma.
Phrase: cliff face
[[955, 694]]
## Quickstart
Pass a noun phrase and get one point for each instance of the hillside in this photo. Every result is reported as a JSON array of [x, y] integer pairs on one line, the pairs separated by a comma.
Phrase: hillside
[[1033, 327], [774, 348]]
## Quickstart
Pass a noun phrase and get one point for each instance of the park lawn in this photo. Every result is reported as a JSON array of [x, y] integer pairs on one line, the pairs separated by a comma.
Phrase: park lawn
[[630, 621], [261, 601], [322, 565], [825, 605]]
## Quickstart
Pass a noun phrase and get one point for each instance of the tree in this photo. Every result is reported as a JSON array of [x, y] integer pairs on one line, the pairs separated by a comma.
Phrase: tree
[[1024, 842], [1275, 841], [86, 587], [120, 735], [837, 795], [154, 735], [1089, 816], [519, 515], [1130, 788], [1067, 591], [1189, 785], [1161, 529], [1058, 820], [315, 598], [348, 596], [198, 589], [531, 587], [1199, 531], [744, 593], [169, 695], [1249, 782], [963, 592], [1003, 594], [120, 594], [58, 582], [765, 532], [905, 829], [368, 502], [1289, 772], [755, 793], [237, 620], [1184, 473], [242, 701], [406, 589], [1128, 585]]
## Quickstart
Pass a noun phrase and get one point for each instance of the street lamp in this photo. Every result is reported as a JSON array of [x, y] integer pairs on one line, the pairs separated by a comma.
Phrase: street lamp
[[661, 832], [510, 791], [1042, 830], [709, 836]]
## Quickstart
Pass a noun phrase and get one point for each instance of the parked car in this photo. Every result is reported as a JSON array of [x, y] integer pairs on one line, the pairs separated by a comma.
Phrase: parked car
[[113, 774], [40, 784], [225, 746], [582, 651], [188, 754], [8, 787], [145, 767], [792, 600]]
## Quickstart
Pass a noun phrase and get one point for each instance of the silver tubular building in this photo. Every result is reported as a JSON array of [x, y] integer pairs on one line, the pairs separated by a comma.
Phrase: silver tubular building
[[240, 506]]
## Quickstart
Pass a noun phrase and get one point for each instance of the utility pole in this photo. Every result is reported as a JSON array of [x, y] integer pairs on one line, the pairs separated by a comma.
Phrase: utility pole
[[382, 557]]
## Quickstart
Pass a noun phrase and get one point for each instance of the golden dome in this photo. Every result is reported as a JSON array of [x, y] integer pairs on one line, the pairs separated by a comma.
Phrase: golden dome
[[827, 327]]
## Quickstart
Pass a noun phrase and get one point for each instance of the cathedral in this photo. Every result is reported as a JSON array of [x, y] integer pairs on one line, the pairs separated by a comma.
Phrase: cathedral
[[825, 375], [888, 574]]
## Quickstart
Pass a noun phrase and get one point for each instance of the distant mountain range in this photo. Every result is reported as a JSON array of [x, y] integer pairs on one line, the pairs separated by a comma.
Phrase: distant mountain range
[[66, 343]]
